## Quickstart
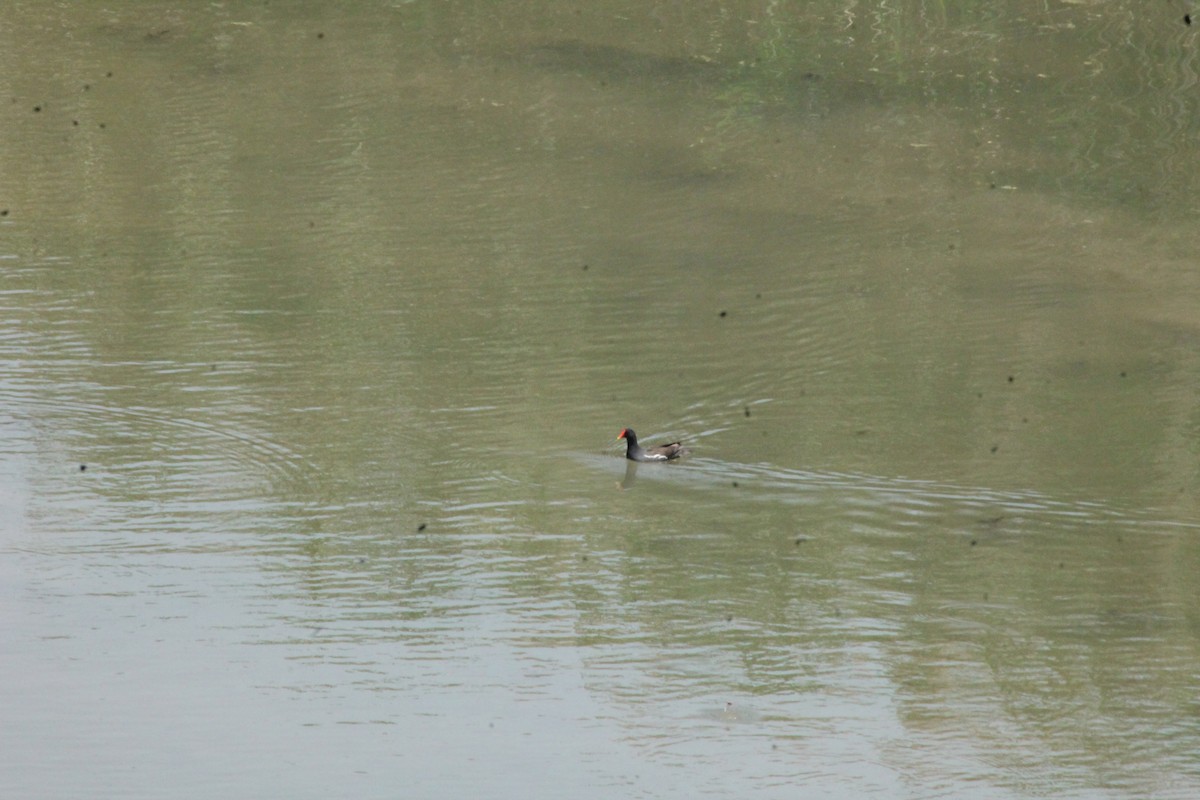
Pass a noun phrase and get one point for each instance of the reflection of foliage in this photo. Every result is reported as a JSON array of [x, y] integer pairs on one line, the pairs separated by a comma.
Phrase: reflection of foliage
[[1088, 99]]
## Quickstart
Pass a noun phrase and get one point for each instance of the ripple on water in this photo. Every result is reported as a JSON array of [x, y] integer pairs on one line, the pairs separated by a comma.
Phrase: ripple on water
[[891, 504], [139, 468]]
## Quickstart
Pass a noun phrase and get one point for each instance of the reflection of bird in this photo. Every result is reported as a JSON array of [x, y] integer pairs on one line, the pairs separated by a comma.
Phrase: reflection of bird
[[662, 452]]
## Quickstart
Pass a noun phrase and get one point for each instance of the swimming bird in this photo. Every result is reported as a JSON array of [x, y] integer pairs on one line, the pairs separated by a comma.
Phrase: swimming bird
[[662, 452]]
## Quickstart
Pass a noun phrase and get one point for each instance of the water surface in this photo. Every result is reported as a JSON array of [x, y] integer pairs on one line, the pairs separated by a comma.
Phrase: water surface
[[317, 330]]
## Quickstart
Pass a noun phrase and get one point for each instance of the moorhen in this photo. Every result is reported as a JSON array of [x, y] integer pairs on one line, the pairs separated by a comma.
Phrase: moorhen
[[662, 452]]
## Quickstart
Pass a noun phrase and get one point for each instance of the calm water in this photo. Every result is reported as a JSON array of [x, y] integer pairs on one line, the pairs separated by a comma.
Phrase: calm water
[[318, 325]]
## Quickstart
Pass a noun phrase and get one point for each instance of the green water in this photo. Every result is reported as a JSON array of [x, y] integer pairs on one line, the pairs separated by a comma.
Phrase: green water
[[319, 324]]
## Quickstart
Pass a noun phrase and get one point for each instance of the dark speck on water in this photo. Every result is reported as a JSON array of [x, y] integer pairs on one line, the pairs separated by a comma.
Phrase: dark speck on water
[[995, 447], [421, 527], [1010, 379], [723, 313], [83, 467], [747, 411]]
